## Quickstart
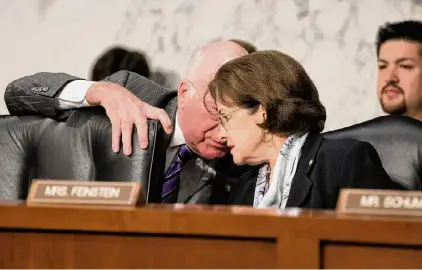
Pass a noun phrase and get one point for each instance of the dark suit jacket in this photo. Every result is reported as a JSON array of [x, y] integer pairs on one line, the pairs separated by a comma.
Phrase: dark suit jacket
[[37, 94], [325, 167]]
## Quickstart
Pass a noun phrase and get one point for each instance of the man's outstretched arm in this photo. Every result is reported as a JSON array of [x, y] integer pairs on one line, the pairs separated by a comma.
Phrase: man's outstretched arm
[[37, 94], [124, 95]]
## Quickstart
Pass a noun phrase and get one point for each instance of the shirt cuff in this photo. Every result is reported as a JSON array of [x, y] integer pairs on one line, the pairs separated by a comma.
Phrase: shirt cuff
[[73, 95]]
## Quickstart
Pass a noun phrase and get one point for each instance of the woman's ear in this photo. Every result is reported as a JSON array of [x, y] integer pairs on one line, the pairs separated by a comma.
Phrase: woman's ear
[[261, 115]]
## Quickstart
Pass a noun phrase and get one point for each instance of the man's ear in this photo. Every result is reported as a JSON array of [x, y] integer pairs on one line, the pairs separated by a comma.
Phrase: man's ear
[[182, 93]]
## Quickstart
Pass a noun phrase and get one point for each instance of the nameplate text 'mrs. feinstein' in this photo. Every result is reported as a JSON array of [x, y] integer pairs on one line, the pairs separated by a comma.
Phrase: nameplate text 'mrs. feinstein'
[[84, 192], [381, 202]]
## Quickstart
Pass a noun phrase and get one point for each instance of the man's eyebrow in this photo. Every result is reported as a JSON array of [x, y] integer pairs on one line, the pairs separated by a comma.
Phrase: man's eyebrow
[[402, 59]]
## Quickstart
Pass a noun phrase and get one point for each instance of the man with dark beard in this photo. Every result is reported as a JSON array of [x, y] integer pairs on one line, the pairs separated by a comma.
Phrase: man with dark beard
[[399, 51]]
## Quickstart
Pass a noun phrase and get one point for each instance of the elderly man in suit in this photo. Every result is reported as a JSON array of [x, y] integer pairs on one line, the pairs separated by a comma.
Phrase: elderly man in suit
[[197, 168]]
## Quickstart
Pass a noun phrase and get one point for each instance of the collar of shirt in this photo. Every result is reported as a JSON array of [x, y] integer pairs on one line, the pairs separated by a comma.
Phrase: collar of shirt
[[177, 138]]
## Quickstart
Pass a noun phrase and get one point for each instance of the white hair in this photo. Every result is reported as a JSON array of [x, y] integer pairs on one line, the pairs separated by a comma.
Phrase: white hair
[[194, 64], [206, 60]]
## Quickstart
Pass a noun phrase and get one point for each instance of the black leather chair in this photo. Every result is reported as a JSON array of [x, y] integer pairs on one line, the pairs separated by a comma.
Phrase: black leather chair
[[398, 140], [78, 149]]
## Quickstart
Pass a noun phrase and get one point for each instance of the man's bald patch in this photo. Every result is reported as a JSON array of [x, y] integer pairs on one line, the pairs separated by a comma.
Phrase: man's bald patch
[[207, 59]]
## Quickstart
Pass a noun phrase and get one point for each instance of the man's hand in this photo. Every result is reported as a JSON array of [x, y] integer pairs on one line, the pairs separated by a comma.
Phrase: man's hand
[[125, 110]]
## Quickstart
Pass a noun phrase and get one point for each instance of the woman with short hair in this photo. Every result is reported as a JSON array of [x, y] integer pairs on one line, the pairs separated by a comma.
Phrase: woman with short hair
[[271, 116]]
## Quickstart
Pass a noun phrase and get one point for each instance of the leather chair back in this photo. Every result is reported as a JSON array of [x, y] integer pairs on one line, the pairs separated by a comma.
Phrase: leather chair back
[[398, 140], [78, 149], [17, 139]]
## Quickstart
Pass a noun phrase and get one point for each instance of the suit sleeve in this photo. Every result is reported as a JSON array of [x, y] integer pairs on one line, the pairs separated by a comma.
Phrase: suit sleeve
[[38, 93], [362, 168], [35, 94]]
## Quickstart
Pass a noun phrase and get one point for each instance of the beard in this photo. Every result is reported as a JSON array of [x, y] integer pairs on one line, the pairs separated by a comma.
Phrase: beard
[[395, 105], [392, 106]]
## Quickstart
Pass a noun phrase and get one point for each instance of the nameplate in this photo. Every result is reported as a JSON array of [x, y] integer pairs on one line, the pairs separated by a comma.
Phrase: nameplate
[[380, 202], [84, 192]]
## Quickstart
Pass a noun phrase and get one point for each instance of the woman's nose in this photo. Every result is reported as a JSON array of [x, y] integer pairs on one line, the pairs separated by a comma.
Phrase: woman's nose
[[222, 133]]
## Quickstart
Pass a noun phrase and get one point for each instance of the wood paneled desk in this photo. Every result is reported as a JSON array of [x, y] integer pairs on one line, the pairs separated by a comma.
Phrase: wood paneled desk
[[160, 236]]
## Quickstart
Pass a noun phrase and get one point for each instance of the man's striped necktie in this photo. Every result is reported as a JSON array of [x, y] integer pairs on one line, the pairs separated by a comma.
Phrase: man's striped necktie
[[172, 176]]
